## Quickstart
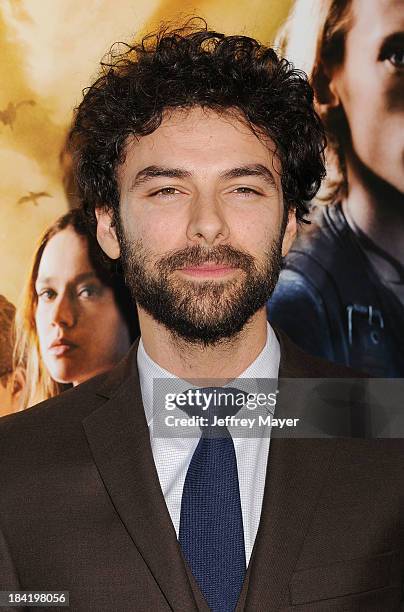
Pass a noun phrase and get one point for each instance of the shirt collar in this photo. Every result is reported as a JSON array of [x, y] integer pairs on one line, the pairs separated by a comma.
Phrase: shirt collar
[[265, 366]]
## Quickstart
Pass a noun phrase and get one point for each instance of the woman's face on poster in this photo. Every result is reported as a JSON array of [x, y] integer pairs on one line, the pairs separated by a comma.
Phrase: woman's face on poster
[[370, 86], [80, 329]]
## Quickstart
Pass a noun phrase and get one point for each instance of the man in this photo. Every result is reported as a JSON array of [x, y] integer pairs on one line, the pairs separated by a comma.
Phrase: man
[[195, 153], [11, 379]]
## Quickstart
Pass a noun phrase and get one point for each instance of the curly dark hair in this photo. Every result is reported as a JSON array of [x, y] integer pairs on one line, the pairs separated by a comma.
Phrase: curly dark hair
[[183, 68]]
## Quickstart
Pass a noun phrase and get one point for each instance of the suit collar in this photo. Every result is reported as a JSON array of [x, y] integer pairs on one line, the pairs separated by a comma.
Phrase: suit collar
[[266, 365], [293, 363], [125, 372]]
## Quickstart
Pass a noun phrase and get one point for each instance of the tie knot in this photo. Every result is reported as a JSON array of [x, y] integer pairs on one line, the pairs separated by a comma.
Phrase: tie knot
[[215, 406]]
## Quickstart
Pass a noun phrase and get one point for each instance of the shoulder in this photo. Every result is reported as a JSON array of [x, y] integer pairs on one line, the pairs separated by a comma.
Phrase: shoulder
[[295, 287], [323, 243], [296, 362], [321, 256], [71, 405], [40, 437], [75, 404], [45, 447], [322, 251], [298, 307]]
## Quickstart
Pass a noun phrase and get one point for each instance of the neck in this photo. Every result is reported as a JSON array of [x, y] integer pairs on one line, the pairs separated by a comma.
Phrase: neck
[[375, 207], [225, 359]]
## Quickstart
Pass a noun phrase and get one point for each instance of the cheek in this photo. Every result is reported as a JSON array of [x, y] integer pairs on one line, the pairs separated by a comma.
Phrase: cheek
[[41, 324], [378, 138], [152, 222], [108, 332], [255, 231], [374, 105], [358, 101], [162, 233]]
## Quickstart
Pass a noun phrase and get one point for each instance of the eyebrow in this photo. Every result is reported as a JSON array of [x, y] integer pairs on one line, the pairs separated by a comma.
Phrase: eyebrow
[[258, 170], [395, 38], [152, 172], [78, 279]]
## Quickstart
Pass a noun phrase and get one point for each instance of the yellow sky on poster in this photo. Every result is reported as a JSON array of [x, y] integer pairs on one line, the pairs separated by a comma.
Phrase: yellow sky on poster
[[49, 51]]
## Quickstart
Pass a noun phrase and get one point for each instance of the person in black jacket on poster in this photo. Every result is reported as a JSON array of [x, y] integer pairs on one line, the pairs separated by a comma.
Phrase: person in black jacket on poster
[[345, 272]]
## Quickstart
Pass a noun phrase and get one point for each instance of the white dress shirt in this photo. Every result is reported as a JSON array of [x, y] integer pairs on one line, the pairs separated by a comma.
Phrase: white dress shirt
[[172, 455]]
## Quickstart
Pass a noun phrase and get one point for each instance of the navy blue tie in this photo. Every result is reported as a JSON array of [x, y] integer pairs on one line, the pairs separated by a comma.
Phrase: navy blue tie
[[211, 524]]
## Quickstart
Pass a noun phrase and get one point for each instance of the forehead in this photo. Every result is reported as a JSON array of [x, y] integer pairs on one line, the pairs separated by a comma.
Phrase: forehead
[[376, 18], [198, 140], [65, 255]]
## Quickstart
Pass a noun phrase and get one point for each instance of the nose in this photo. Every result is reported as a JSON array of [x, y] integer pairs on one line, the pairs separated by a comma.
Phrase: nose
[[207, 225], [64, 312]]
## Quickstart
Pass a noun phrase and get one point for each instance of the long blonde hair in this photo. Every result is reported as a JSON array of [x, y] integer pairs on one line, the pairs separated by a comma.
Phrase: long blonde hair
[[39, 384], [312, 38]]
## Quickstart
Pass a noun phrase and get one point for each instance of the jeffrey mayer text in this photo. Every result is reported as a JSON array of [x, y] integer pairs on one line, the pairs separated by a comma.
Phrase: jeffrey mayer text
[[230, 421]]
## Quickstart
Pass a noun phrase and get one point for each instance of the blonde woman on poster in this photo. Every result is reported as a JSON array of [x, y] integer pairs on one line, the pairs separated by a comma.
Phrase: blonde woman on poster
[[76, 317], [345, 272]]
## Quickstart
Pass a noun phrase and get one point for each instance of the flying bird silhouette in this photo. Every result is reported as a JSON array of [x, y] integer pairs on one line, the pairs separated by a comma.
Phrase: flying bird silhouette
[[8, 116], [33, 197]]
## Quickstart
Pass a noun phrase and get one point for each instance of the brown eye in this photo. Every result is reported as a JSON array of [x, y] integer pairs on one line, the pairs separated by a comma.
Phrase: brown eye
[[46, 294], [393, 55], [245, 190], [397, 58], [89, 291], [165, 191]]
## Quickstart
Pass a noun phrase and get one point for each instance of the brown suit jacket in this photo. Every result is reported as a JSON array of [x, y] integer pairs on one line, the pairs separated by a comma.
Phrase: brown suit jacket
[[81, 509]]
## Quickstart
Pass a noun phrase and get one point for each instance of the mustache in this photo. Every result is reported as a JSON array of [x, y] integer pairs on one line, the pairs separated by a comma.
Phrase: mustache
[[196, 255]]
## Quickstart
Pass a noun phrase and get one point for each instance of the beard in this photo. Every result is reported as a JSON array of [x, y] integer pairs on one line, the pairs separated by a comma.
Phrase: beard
[[200, 312]]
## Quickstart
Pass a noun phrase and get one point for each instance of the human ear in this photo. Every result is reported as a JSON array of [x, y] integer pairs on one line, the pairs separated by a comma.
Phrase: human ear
[[290, 232], [17, 386], [326, 86], [106, 233]]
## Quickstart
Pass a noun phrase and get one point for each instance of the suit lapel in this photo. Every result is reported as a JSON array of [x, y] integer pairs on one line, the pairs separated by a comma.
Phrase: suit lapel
[[119, 440], [295, 475], [296, 472]]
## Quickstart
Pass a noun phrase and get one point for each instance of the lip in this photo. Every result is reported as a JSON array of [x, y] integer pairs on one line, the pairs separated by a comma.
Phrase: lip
[[61, 347], [211, 270]]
